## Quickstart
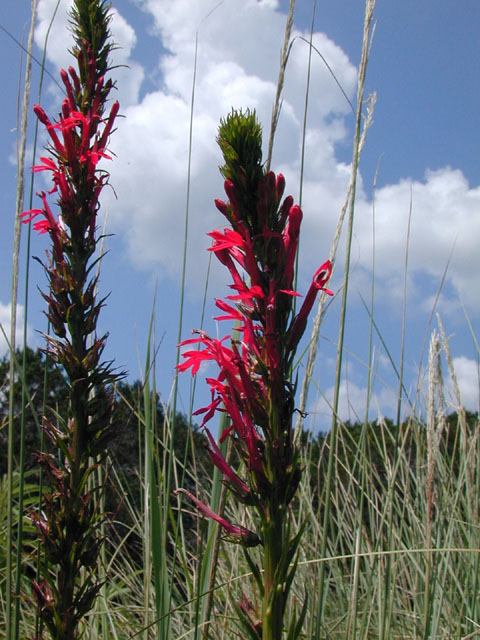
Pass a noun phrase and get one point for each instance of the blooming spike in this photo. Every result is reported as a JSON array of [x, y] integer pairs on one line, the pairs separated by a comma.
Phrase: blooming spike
[[69, 524], [254, 387]]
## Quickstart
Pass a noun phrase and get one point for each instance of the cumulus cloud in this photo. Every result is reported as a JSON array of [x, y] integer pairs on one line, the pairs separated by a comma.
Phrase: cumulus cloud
[[445, 222]]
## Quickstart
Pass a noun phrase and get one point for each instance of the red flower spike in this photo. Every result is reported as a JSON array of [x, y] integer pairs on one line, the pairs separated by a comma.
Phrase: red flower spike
[[272, 355], [271, 186], [233, 313], [49, 224], [284, 210], [195, 359], [41, 115], [75, 80], [290, 292], [30, 215], [48, 165], [214, 350], [250, 390], [108, 128], [226, 240], [322, 276], [97, 100], [69, 149], [224, 255], [246, 294], [77, 142], [254, 387], [209, 410], [45, 120]]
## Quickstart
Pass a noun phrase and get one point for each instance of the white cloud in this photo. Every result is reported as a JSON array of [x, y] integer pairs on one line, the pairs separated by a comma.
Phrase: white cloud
[[467, 374], [445, 217], [239, 44]]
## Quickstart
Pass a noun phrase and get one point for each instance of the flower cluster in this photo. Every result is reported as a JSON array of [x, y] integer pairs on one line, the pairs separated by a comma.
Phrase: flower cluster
[[69, 522], [254, 386], [78, 140], [255, 369], [76, 159]]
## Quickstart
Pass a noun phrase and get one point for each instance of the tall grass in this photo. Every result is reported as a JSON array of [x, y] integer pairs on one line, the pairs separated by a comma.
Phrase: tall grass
[[13, 324], [391, 547]]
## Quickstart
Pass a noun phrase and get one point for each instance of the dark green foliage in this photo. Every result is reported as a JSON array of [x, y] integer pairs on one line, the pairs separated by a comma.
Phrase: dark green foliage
[[38, 367], [126, 448]]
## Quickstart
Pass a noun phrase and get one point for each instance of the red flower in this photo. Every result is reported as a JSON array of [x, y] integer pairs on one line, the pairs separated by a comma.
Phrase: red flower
[[291, 235], [319, 281], [223, 466], [195, 358], [55, 228], [235, 531]]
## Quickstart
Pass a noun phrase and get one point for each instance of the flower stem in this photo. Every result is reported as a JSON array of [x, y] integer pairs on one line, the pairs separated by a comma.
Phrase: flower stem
[[273, 599]]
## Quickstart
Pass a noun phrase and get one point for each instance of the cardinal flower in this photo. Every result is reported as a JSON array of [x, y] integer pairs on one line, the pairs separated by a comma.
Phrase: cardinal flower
[[254, 387]]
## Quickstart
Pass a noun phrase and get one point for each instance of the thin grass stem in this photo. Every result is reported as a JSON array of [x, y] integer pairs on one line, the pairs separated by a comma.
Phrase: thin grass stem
[[13, 324], [280, 81], [367, 33]]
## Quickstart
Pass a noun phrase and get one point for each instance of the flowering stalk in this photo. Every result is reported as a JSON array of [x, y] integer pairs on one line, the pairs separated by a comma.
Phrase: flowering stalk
[[69, 523], [254, 385]]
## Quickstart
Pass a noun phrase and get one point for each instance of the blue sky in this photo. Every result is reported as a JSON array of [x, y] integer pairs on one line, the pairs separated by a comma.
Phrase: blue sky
[[424, 144]]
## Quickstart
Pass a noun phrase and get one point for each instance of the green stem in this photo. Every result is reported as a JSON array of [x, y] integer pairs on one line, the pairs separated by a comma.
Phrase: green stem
[[273, 600]]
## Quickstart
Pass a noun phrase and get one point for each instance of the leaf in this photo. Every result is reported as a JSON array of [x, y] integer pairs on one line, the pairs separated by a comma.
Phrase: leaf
[[255, 572], [295, 627]]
